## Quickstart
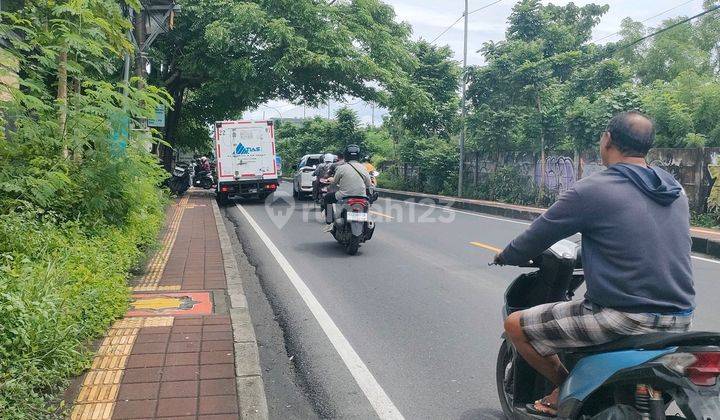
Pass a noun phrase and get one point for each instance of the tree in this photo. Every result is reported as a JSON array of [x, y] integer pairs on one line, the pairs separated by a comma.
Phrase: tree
[[226, 56]]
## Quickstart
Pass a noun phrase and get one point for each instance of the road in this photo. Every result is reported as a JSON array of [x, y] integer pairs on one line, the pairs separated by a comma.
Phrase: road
[[418, 305]]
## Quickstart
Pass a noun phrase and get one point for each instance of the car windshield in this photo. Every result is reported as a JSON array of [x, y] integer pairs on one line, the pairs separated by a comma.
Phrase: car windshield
[[312, 162]]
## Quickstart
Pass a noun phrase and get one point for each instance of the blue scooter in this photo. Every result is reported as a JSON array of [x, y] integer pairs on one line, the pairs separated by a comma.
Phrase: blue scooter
[[636, 377]]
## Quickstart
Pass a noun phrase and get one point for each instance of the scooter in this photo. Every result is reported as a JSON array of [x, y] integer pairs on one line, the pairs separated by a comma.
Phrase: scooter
[[636, 377], [179, 181], [350, 225], [321, 190]]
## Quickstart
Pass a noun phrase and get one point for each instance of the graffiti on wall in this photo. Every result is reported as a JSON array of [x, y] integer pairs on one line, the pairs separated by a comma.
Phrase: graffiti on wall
[[713, 167], [559, 173]]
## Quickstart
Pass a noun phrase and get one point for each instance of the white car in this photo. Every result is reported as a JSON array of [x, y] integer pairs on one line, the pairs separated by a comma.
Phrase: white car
[[303, 179]]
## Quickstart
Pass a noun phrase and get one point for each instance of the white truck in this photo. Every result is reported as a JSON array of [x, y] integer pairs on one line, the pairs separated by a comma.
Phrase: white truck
[[246, 165]]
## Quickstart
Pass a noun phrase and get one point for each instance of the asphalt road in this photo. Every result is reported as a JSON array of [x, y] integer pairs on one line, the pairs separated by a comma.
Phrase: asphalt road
[[419, 304]]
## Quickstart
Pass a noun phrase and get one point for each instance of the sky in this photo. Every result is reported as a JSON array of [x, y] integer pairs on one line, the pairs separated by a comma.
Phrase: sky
[[429, 18]]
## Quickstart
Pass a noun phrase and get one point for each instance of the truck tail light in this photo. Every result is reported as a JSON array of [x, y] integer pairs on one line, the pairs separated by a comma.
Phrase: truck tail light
[[224, 188], [271, 187]]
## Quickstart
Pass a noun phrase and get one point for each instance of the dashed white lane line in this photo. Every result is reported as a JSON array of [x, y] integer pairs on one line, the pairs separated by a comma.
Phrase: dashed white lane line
[[380, 401], [508, 221]]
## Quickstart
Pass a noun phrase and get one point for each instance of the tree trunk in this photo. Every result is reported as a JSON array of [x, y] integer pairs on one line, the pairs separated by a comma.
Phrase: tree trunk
[[62, 98]]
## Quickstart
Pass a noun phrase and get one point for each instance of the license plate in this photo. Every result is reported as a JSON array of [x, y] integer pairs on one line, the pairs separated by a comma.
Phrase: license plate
[[252, 190], [357, 217]]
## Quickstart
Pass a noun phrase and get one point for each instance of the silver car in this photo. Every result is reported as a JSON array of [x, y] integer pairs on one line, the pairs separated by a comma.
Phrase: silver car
[[303, 178]]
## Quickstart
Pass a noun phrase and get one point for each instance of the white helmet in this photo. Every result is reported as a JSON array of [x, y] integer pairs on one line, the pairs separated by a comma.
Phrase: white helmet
[[328, 158], [203, 159]]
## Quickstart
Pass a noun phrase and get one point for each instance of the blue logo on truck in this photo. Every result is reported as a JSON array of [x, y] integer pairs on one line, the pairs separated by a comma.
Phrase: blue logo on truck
[[242, 150]]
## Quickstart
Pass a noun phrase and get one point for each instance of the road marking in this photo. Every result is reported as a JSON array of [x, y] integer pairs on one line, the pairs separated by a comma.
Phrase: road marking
[[511, 221], [486, 246], [462, 212], [377, 213], [380, 401]]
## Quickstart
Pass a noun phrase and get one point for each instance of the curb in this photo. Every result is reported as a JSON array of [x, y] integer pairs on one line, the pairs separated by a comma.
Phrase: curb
[[251, 390], [700, 244]]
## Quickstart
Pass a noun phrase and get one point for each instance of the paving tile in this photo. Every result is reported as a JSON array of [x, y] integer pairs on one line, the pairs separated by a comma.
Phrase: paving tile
[[146, 348], [214, 320], [155, 330], [138, 391], [185, 329], [180, 373], [217, 387], [173, 407], [184, 347], [219, 404], [181, 359], [185, 336], [152, 338], [217, 328], [233, 416], [138, 375], [178, 389], [216, 357], [134, 409], [217, 371], [145, 360], [224, 345], [218, 335]]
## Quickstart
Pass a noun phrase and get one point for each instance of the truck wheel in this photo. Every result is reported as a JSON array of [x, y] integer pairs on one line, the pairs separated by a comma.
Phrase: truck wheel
[[223, 199]]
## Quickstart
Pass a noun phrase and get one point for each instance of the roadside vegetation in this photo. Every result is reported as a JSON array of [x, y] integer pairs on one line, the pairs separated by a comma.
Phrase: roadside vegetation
[[548, 82], [79, 199]]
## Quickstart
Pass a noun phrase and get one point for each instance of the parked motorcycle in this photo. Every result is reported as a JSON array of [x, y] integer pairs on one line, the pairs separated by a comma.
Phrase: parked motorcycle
[[179, 181], [350, 225], [202, 179], [636, 377]]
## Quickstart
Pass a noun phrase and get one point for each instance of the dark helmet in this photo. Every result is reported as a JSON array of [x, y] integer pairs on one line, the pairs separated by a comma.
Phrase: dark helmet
[[352, 152]]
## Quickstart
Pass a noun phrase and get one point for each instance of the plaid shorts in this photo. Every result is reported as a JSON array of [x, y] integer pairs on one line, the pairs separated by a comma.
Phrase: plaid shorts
[[579, 323]]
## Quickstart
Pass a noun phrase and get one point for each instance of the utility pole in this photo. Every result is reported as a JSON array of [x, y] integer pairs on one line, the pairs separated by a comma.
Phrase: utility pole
[[328, 109], [372, 118], [463, 132]]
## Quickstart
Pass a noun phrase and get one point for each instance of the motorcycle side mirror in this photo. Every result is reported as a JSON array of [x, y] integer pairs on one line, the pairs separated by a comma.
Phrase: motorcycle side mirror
[[294, 167]]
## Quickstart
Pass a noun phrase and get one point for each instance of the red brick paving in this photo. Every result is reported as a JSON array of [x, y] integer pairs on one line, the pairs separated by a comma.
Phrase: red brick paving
[[187, 370], [195, 261], [163, 382]]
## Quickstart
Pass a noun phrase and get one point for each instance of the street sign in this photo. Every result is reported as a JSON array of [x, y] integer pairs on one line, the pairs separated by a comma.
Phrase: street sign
[[159, 120]]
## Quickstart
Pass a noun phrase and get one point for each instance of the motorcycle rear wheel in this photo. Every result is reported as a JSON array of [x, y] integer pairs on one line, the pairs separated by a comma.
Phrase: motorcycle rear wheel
[[504, 378], [353, 245]]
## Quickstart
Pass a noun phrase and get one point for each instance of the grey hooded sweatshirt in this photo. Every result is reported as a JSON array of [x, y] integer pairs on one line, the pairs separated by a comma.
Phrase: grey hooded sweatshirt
[[635, 228]]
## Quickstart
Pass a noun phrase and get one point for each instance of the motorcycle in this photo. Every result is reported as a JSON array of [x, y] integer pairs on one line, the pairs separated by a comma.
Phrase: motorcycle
[[321, 190], [635, 377], [203, 179], [350, 225], [179, 182]]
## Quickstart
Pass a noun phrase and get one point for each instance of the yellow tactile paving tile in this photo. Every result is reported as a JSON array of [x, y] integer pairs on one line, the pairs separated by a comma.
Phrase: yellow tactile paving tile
[[156, 266], [94, 411], [100, 388]]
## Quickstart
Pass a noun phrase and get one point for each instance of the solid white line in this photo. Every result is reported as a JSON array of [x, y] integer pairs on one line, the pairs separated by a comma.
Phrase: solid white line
[[380, 401], [506, 220]]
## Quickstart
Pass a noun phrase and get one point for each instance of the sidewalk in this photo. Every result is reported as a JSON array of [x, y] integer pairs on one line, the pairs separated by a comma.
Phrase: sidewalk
[[186, 348], [704, 240]]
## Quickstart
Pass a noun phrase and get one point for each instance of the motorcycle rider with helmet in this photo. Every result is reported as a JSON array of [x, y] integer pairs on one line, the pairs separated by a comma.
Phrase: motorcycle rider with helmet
[[350, 178], [322, 172]]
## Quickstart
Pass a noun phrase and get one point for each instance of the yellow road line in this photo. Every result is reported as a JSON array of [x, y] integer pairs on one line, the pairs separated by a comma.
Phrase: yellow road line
[[377, 213], [485, 246]]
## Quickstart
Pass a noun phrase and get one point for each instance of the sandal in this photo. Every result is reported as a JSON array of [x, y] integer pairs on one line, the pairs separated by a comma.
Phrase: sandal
[[548, 409]]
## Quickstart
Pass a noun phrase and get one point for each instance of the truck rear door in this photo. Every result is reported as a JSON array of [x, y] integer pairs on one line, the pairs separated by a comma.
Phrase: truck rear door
[[245, 150]]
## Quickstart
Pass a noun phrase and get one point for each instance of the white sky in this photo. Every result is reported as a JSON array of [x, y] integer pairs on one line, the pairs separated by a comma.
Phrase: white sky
[[430, 17]]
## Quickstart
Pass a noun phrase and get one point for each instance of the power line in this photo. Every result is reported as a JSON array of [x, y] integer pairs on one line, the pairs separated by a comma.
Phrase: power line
[[447, 29], [462, 16], [643, 21], [484, 7], [639, 40]]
